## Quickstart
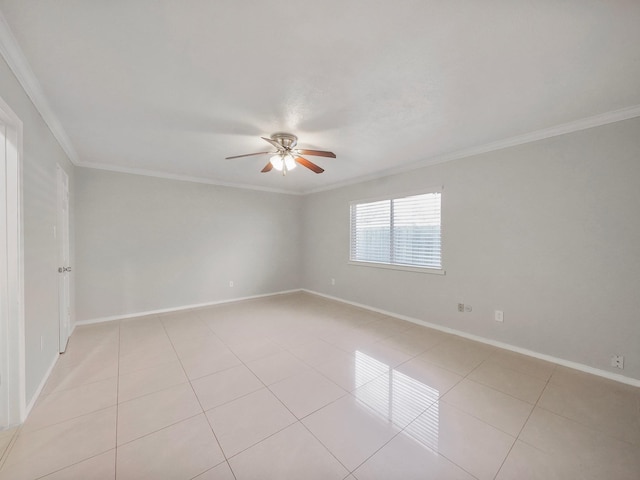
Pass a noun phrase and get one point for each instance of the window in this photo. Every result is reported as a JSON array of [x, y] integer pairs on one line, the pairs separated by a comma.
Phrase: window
[[400, 232]]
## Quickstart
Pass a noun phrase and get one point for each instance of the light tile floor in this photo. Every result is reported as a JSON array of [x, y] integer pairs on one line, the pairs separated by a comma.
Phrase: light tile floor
[[300, 387]]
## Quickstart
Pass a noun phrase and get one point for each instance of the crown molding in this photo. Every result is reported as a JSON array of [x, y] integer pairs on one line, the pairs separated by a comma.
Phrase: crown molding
[[18, 64], [183, 178], [562, 129]]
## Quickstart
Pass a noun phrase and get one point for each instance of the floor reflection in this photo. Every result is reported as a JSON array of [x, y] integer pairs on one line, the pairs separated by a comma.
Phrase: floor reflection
[[398, 398], [367, 368]]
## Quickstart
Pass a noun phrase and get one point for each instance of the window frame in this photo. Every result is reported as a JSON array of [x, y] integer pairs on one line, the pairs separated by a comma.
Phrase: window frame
[[395, 266]]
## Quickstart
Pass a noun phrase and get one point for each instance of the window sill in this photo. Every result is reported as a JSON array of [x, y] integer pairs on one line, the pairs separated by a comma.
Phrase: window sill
[[388, 266]]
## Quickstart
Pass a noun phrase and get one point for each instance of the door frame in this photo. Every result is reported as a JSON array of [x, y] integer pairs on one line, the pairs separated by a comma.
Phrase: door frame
[[12, 328], [64, 260]]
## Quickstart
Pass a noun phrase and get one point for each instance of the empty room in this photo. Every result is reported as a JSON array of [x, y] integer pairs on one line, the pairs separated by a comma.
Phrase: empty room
[[319, 240]]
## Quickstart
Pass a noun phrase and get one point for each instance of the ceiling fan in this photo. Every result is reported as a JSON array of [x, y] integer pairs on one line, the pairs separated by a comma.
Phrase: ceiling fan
[[286, 155]]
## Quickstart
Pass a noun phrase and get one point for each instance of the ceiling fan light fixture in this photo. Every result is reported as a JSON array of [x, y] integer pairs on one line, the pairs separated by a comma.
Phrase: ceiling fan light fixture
[[286, 157], [280, 160]]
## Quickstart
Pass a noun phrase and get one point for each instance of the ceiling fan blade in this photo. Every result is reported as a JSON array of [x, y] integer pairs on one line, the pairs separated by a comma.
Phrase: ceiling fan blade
[[267, 168], [319, 153], [273, 142], [310, 165], [247, 155]]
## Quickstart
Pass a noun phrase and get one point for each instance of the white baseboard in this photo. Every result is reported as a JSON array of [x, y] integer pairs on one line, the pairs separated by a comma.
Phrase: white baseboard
[[38, 391], [178, 309], [560, 361]]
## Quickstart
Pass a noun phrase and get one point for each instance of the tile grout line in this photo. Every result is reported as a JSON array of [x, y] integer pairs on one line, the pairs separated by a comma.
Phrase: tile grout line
[[67, 420], [474, 380], [525, 423], [402, 429], [194, 392], [115, 461], [298, 420], [491, 387], [224, 455], [55, 392], [281, 402], [316, 369], [72, 464], [438, 400], [158, 430], [578, 422], [9, 447], [466, 377]]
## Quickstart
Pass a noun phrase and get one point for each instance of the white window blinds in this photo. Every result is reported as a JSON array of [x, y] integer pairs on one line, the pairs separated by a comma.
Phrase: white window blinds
[[398, 231]]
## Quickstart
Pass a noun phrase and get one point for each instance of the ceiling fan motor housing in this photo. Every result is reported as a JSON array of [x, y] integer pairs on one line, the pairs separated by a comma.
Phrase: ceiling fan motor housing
[[287, 140]]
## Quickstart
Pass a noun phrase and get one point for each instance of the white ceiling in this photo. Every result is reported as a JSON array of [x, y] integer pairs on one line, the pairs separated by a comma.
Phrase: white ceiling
[[173, 87]]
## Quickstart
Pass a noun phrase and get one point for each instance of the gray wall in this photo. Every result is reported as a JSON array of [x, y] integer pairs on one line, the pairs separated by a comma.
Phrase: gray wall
[[40, 155], [147, 244], [547, 232]]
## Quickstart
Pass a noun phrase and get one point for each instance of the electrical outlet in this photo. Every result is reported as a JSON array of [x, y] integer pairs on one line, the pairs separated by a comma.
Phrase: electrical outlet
[[617, 361], [333, 281], [499, 316], [461, 307], [231, 283]]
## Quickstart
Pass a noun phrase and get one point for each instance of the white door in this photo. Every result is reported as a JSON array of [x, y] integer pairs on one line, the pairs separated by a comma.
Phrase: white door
[[64, 267]]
